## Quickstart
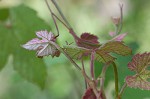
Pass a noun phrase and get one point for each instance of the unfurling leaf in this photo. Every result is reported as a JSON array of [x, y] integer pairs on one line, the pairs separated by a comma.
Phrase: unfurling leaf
[[89, 94], [88, 41], [90, 37], [43, 47], [112, 34], [116, 37], [119, 37], [139, 64]]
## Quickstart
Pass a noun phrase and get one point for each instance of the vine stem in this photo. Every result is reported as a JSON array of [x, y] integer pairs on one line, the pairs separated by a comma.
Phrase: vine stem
[[92, 65], [61, 50], [102, 79], [122, 90], [116, 78], [61, 14], [121, 19], [90, 82], [84, 71]]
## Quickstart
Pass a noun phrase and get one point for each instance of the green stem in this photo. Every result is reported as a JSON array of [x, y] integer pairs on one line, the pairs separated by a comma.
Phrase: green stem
[[121, 19], [61, 50], [61, 14], [84, 71], [116, 78], [122, 90], [102, 80]]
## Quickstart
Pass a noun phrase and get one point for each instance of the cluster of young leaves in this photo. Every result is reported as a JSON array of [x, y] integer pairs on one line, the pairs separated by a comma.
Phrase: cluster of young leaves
[[18, 26], [102, 52]]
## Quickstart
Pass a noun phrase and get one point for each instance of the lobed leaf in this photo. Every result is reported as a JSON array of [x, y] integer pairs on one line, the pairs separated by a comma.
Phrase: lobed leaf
[[76, 52], [102, 53], [43, 47], [88, 41], [139, 64], [115, 47], [90, 38], [104, 57]]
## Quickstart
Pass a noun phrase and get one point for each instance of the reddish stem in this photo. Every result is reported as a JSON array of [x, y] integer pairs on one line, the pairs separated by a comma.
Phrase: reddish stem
[[92, 64]]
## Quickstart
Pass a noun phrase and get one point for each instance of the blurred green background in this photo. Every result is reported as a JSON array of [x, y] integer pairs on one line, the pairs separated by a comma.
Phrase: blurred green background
[[18, 24]]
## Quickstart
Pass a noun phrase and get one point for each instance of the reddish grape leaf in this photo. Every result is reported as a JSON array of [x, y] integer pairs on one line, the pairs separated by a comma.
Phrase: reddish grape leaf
[[139, 64], [89, 94], [90, 37], [88, 40]]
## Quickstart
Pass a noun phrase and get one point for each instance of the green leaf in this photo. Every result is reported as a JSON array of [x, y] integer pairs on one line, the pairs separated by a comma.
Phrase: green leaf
[[6, 46], [115, 47], [139, 64], [24, 23], [104, 57], [102, 53], [4, 14], [76, 52]]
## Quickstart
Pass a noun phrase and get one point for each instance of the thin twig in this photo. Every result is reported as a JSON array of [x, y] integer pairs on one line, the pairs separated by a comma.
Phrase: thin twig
[[92, 65], [121, 18], [61, 14], [61, 50], [53, 18], [84, 71], [122, 90]]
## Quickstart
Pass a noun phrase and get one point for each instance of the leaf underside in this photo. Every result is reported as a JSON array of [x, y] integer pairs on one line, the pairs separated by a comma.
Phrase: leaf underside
[[139, 64]]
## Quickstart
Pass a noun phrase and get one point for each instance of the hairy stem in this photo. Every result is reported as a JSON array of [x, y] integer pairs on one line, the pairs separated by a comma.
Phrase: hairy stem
[[122, 90], [92, 65], [116, 78]]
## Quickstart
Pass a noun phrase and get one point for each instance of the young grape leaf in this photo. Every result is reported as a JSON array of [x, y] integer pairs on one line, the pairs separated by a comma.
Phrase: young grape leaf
[[102, 53], [104, 57], [115, 47], [88, 41], [76, 52], [43, 47], [90, 37], [139, 64], [119, 37]]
